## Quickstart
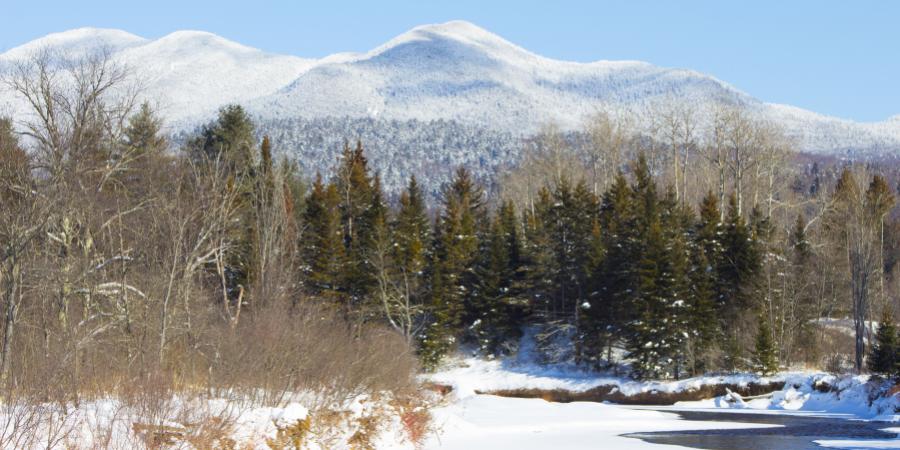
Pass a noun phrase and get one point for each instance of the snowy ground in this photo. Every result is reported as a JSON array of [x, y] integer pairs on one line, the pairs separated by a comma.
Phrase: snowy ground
[[467, 420], [472, 420]]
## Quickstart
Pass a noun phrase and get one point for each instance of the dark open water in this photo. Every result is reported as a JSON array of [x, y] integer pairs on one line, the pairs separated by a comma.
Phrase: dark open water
[[795, 432]]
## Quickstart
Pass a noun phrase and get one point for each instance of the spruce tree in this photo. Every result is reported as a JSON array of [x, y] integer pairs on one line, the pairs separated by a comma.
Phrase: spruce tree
[[738, 276], [616, 278], [765, 354], [537, 255], [358, 193], [413, 232], [703, 328], [456, 244], [412, 238], [324, 251], [648, 346], [491, 322], [885, 357], [593, 336]]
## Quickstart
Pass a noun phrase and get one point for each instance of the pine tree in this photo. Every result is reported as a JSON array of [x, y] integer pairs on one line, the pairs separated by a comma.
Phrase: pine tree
[[798, 283], [885, 357], [412, 230], [142, 154], [230, 139], [411, 234], [765, 355], [226, 147], [143, 134]]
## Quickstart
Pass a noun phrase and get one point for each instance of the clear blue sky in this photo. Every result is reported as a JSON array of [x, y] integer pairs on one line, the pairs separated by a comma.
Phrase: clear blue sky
[[838, 58]]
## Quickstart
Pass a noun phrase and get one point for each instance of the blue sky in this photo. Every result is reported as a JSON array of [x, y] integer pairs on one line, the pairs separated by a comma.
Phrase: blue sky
[[837, 58]]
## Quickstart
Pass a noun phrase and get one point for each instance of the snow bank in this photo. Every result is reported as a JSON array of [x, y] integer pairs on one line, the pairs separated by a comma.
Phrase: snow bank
[[472, 420], [467, 375], [860, 397], [206, 423]]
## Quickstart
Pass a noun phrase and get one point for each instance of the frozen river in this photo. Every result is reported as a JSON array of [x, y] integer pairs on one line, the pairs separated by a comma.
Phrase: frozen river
[[788, 432], [496, 423]]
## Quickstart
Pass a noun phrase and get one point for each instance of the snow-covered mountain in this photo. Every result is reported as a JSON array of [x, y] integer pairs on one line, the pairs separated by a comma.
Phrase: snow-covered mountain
[[452, 71]]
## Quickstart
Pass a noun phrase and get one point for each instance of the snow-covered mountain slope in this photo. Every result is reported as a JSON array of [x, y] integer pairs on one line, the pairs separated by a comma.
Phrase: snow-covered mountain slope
[[192, 73], [76, 43], [452, 71]]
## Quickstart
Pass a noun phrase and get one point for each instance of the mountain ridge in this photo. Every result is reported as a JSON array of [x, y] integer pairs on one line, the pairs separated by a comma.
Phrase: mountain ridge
[[447, 71]]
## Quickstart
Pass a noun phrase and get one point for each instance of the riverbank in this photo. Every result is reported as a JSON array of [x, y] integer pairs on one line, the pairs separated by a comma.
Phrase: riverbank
[[509, 404]]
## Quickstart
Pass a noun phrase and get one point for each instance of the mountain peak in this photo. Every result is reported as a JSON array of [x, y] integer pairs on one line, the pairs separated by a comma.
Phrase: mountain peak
[[457, 28], [77, 41], [193, 38], [460, 32]]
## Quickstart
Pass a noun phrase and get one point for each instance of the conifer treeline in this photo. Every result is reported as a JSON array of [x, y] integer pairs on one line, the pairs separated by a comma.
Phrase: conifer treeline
[[627, 274], [600, 277], [630, 269]]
